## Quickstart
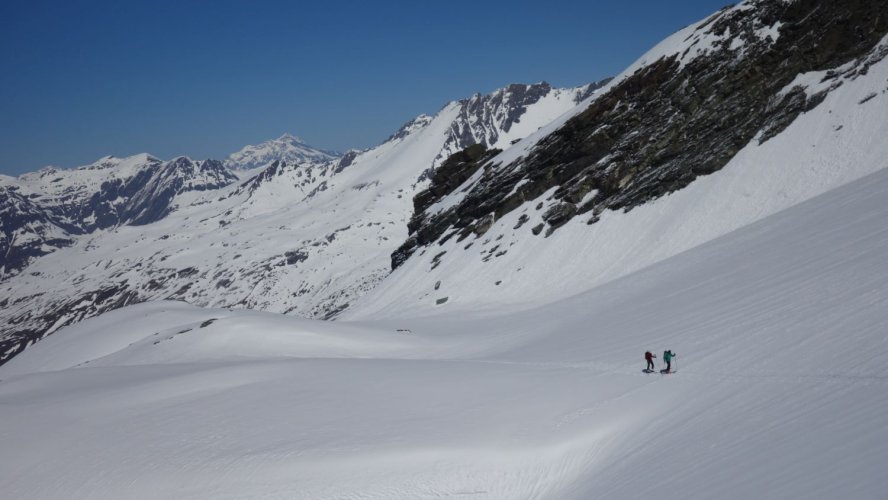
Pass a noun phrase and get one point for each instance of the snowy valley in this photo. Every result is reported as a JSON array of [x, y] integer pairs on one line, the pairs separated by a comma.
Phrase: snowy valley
[[304, 234], [462, 310]]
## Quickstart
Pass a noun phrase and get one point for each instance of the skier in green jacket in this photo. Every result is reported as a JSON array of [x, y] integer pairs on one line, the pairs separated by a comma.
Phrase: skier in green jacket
[[667, 357]]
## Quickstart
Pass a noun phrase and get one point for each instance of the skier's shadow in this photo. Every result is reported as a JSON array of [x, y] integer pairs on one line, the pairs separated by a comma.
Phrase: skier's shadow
[[647, 371]]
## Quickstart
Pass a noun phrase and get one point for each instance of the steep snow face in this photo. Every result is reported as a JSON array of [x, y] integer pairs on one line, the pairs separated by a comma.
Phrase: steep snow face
[[779, 329], [113, 191], [286, 148], [304, 238], [601, 197]]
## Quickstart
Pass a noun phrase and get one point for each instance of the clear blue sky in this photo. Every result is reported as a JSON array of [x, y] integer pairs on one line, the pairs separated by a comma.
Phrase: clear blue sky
[[84, 79]]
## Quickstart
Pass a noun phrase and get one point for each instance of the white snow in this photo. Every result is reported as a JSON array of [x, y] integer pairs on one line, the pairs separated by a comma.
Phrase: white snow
[[815, 82], [779, 329], [548, 108], [287, 148], [772, 31], [65, 184]]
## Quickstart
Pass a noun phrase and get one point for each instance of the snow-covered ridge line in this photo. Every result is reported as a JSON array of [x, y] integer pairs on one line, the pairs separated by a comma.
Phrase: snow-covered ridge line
[[299, 237], [108, 193]]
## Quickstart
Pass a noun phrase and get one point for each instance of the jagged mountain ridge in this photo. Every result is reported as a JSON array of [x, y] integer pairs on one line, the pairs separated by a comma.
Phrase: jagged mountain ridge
[[111, 192], [26, 231], [495, 119], [303, 238]]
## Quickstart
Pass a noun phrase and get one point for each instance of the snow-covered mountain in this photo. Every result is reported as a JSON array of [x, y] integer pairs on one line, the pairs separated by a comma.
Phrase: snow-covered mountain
[[305, 238], [756, 108], [287, 148], [27, 231], [43, 211], [500, 119]]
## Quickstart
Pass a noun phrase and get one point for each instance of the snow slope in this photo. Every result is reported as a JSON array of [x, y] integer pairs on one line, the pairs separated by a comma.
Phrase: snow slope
[[840, 140], [779, 328]]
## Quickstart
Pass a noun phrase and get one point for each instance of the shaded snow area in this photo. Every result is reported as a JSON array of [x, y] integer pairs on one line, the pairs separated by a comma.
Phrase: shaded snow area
[[780, 390]]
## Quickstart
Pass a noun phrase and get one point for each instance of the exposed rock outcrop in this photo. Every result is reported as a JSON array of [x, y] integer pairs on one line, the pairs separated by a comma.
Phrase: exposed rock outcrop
[[677, 118]]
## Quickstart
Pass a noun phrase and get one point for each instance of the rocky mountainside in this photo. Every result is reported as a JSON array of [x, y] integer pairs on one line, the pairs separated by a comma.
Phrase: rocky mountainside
[[306, 237], [782, 100], [44, 210], [684, 115], [287, 148], [27, 231], [495, 119]]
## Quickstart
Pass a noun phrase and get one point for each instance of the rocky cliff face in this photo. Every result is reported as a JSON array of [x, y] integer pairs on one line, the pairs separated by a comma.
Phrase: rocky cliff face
[[742, 75]]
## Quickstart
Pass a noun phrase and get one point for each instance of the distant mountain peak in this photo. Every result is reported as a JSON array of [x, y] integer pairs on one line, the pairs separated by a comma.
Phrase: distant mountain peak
[[288, 148]]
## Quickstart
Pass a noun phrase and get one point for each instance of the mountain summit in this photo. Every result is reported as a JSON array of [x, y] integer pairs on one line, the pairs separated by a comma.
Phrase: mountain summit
[[288, 148]]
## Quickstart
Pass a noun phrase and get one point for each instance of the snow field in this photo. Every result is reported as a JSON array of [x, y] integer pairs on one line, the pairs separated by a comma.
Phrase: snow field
[[779, 329]]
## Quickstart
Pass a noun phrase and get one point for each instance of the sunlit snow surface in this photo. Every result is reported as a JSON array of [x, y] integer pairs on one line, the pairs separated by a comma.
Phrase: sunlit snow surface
[[780, 330]]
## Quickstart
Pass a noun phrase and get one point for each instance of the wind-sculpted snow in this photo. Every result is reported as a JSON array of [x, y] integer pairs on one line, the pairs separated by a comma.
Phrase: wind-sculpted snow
[[306, 237], [779, 391]]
